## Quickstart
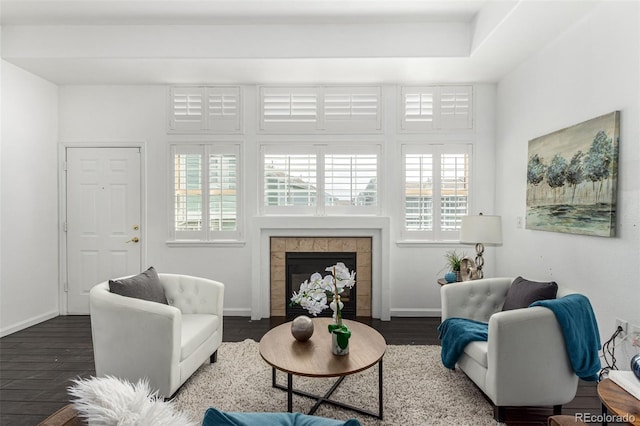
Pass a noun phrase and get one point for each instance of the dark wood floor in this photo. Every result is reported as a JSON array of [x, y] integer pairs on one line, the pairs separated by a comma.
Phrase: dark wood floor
[[37, 363]]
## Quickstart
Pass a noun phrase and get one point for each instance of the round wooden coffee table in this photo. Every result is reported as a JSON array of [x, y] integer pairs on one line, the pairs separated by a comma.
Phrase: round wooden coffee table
[[313, 358]]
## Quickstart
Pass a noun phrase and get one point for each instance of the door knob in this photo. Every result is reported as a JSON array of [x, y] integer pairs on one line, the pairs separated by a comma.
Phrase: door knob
[[134, 240]]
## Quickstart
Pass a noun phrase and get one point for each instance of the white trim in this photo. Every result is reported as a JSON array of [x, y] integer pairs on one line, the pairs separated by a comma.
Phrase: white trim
[[212, 243], [413, 243], [28, 323], [416, 312], [236, 312]]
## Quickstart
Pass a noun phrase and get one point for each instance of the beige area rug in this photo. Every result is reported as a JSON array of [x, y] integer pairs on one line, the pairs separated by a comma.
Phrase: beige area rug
[[418, 389]]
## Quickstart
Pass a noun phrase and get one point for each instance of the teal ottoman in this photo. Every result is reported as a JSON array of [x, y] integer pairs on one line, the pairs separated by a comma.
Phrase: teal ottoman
[[214, 417]]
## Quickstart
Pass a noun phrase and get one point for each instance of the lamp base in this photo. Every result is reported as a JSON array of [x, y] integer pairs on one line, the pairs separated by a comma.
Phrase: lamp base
[[468, 270], [479, 259]]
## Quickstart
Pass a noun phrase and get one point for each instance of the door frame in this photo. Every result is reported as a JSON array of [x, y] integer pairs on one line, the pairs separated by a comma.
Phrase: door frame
[[62, 205]]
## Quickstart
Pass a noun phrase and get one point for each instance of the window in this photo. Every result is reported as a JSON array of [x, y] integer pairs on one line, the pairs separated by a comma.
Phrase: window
[[436, 108], [320, 179], [436, 190], [205, 192], [320, 109], [351, 180], [290, 180], [205, 109]]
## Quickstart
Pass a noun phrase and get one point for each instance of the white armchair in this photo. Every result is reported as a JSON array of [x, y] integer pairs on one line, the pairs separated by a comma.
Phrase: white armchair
[[525, 360], [134, 338]]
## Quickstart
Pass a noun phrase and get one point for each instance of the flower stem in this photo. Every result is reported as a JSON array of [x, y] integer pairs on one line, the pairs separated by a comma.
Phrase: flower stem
[[336, 299]]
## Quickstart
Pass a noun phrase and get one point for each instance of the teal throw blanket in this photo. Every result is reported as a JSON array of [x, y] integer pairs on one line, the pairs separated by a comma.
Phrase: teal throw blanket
[[580, 331], [455, 334]]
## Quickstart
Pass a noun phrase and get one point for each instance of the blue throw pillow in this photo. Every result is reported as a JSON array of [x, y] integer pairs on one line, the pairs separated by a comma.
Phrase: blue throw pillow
[[214, 417]]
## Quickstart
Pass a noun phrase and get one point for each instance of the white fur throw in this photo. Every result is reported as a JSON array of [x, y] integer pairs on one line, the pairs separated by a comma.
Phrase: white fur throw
[[109, 401]]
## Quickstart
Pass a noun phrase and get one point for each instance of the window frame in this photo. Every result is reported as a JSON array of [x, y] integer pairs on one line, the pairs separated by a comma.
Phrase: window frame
[[320, 150], [206, 234], [436, 234]]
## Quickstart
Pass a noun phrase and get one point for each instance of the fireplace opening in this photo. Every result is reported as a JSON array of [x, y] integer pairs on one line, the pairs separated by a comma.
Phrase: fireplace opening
[[299, 266]]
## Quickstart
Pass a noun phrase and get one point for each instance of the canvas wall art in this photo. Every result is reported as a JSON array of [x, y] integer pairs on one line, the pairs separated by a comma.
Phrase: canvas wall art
[[571, 178]]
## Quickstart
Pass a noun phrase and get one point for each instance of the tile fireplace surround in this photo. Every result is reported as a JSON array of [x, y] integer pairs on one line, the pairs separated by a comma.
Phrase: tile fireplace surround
[[279, 246]]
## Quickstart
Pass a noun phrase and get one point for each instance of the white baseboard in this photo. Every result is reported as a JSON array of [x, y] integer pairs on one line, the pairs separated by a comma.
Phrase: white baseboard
[[28, 323], [406, 312], [237, 312]]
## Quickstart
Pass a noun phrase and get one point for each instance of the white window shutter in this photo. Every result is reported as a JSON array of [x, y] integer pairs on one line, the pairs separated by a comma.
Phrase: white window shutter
[[418, 104], [351, 181], [287, 109], [205, 109], [206, 185], [455, 107], [322, 109], [436, 190], [352, 108], [187, 108], [289, 180], [436, 108], [223, 192], [223, 109], [188, 192]]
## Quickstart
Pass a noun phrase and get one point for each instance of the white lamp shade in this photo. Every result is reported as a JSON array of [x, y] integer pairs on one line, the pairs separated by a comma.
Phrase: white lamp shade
[[483, 229]]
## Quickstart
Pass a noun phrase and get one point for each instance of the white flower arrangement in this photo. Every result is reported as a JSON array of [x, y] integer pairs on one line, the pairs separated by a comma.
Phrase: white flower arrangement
[[313, 292]]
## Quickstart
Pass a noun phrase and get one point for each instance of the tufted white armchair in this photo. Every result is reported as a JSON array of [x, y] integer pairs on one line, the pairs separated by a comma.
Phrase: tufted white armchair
[[134, 338], [525, 360]]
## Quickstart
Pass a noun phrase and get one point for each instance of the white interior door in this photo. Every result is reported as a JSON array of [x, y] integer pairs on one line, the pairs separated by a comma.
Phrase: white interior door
[[103, 213]]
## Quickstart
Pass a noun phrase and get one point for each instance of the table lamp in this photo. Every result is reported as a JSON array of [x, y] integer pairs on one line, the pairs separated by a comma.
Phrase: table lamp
[[481, 230]]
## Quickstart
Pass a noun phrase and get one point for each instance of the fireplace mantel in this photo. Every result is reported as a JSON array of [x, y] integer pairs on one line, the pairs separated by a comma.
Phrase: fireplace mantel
[[265, 227]]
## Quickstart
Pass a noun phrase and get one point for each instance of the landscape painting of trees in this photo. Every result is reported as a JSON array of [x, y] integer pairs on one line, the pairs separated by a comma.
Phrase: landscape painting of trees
[[571, 178]]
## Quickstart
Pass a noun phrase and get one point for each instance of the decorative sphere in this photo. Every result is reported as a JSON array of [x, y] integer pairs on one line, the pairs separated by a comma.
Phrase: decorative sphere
[[635, 365], [450, 277], [302, 328]]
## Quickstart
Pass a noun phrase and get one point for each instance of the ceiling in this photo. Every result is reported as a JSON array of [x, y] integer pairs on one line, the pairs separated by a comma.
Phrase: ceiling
[[272, 41]]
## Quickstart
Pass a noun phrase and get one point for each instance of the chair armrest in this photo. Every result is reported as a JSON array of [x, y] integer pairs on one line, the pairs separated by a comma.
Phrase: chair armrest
[[526, 350], [126, 330], [193, 295], [476, 300]]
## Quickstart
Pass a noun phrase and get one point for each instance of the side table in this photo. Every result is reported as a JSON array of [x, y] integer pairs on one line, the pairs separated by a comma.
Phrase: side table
[[618, 402]]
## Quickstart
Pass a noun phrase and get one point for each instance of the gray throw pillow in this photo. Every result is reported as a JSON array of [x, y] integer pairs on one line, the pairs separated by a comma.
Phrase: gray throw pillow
[[523, 292], [145, 286]]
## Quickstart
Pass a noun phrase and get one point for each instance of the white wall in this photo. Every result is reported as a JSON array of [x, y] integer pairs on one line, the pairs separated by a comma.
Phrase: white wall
[[95, 114], [29, 200], [590, 70]]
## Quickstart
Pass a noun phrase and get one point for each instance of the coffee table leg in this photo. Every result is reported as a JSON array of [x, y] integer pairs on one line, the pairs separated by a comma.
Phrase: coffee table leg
[[289, 392], [380, 388], [325, 399]]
